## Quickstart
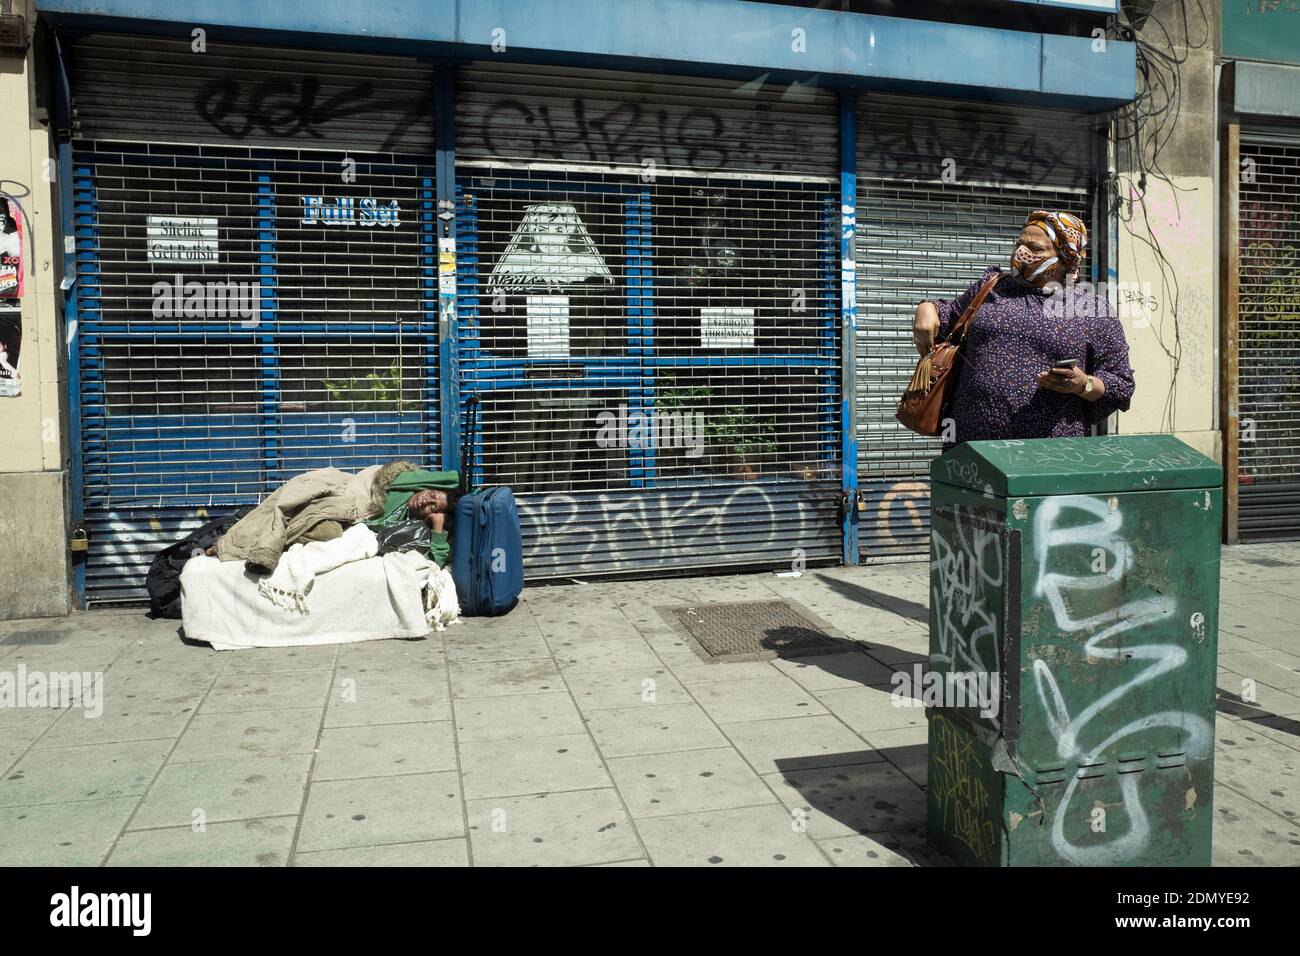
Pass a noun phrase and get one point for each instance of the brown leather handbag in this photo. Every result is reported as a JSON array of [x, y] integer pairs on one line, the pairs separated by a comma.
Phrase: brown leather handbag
[[926, 398]]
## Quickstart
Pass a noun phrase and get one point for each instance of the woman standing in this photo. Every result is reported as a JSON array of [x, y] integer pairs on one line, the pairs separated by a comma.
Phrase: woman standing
[[1015, 380]]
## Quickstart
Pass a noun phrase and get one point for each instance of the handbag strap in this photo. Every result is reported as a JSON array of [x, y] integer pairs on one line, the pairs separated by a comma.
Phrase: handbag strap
[[958, 330]]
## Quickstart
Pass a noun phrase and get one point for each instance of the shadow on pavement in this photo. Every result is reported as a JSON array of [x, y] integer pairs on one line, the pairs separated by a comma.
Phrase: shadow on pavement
[[1232, 705], [868, 796], [888, 602]]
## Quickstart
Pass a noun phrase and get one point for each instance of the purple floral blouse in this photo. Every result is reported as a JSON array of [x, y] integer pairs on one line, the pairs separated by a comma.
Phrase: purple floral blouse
[[1018, 332]]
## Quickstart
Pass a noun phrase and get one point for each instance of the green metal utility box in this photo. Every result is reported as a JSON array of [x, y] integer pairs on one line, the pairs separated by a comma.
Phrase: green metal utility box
[[1074, 607]]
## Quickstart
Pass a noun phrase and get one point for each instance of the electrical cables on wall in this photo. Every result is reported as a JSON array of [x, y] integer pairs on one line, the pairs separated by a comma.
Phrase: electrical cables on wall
[[1165, 33]]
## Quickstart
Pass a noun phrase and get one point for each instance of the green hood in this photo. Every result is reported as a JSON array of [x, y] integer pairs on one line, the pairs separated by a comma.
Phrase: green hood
[[407, 484], [399, 493]]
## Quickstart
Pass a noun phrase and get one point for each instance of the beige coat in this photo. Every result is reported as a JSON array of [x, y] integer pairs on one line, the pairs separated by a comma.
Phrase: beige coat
[[289, 513]]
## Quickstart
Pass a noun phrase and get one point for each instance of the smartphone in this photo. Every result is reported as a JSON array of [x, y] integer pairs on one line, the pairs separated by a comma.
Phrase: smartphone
[[1065, 363]]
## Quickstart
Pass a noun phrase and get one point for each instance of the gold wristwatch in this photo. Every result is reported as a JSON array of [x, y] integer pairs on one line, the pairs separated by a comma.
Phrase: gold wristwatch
[[1087, 385]]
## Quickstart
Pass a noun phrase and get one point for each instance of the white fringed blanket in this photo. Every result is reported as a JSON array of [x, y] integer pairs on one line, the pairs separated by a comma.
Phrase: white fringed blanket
[[388, 596]]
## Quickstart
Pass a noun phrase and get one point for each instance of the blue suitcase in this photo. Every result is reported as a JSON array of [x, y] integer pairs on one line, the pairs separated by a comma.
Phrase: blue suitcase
[[487, 553]]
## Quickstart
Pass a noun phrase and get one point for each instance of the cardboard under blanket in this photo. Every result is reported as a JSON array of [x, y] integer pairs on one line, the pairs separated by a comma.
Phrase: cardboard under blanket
[[370, 600]]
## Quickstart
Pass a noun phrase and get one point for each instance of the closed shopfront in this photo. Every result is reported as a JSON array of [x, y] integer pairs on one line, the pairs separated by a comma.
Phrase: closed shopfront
[[255, 293], [1267, 332], [648, 315], [943, 190]]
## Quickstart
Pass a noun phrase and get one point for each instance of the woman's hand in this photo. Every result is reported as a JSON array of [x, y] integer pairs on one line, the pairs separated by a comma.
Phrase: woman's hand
[[437, 521], [925, 327], [1071, 381]]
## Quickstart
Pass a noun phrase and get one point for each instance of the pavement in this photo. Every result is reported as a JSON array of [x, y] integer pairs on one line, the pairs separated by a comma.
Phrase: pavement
[[581, 729]]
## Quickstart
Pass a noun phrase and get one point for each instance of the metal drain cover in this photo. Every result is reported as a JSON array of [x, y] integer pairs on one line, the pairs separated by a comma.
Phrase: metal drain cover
[[753, 630], [34, 637]]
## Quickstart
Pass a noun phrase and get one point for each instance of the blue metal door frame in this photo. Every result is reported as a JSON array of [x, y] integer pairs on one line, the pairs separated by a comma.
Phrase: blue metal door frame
[[636, 372], [102, 455], [484, 373]]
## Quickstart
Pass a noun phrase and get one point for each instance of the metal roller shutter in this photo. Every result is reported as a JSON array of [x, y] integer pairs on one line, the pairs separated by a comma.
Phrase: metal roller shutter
[[920, 236], [299, 328], [637, 246], [1268, 330]]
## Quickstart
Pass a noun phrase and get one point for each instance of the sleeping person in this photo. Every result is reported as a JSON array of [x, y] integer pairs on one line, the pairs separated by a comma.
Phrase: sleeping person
[[428, 496], [319, 505]]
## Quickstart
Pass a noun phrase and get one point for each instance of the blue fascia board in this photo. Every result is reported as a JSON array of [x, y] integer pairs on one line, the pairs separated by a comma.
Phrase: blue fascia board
[[1104, 7], [709, 37]]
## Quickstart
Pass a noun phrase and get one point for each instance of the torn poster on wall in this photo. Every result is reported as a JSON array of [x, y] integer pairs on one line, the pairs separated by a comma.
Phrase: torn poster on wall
[[11, 251], [11, 290]]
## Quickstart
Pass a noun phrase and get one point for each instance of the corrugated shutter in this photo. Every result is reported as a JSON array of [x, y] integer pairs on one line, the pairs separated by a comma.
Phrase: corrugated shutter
[[149, 89], [1268, 330], [197, 395], [640, 123], [943, 189], [637, 246]]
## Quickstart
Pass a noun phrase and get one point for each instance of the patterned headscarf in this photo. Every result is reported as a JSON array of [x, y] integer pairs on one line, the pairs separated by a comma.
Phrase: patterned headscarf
[[1068, 234]]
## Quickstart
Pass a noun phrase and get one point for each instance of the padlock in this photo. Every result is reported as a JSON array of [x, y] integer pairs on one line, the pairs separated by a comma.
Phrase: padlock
[[79, 541]]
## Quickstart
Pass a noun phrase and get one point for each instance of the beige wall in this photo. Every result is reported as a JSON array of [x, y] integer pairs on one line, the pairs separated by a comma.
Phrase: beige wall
[[1174, 342], [32, 469]]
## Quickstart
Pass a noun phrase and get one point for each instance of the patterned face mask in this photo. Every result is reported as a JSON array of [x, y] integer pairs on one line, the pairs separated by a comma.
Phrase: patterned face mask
[[1069, 238], [1033, 267]]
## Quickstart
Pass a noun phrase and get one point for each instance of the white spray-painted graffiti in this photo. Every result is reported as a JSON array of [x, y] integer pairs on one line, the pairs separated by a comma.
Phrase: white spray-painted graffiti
[[594, 530], [967, 564], [1070, 732]]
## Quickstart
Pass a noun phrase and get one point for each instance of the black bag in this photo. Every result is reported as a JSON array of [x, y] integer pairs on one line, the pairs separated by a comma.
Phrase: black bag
[[405, 536], [164, 579]]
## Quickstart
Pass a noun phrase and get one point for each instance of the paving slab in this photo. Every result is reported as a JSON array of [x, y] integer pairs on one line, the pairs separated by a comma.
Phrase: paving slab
[[577, 828], [427, 853], [281, 690], [266, 660], [493, 646], [498, 678], [607, 690], [1249, 834], [98, 772], [687, 782], [517, 715], [842, 801], [62, 834], [386, 703], [240, 843], [661, 728], [254, 733], [798, 743], [869, 710], [577, 656], [211, 791], [744, 836], [763, 698], [835, 671], [376, 811], [376, 750], [503, 768]]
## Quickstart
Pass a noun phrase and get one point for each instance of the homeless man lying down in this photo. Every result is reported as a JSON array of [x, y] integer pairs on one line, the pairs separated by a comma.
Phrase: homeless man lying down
[[318, 505]]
